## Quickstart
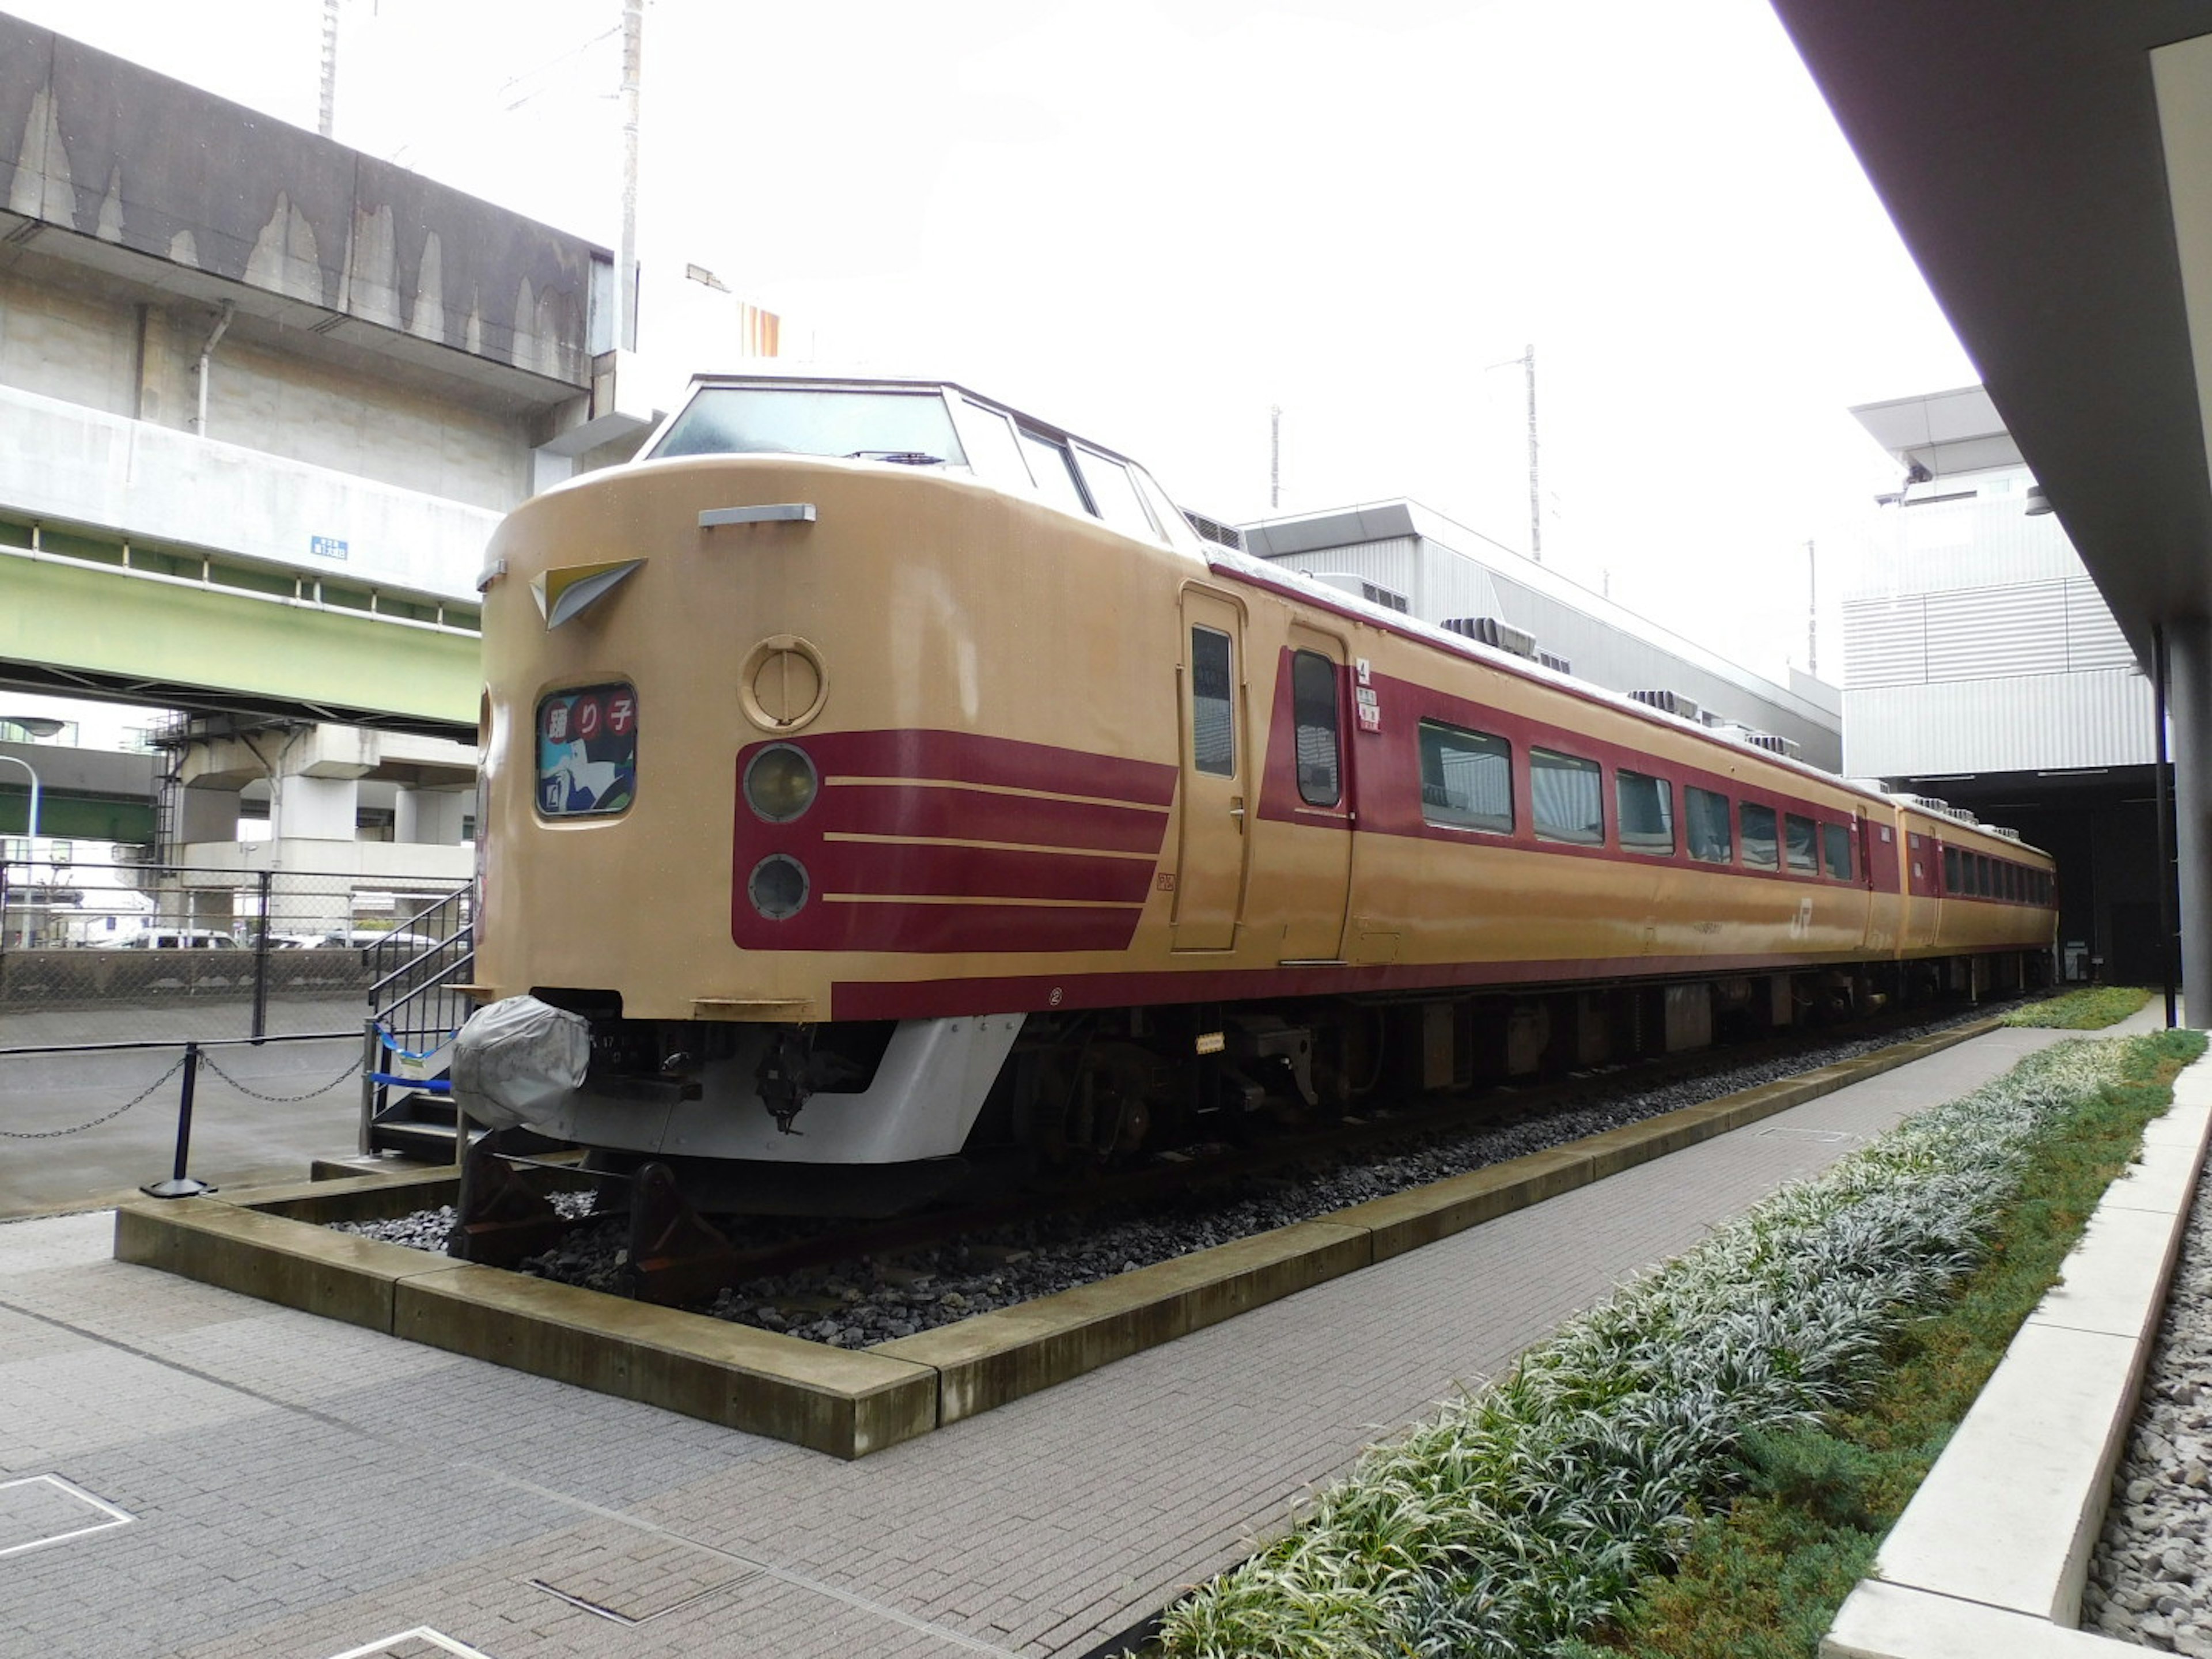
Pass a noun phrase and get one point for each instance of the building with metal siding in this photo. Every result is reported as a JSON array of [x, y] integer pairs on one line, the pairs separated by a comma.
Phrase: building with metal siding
[[1982, 667], [1444, 570]]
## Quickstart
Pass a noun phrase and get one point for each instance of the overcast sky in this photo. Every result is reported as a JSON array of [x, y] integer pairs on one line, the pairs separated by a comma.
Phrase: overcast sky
[[1152, 222]]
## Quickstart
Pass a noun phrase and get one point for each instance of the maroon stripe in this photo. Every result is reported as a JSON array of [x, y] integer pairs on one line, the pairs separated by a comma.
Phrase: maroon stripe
[[937, 929], [978, 872], [937, 999], [969, 758], [891, 808]]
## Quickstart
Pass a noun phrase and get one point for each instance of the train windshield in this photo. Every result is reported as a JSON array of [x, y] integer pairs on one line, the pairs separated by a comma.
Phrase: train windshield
[[873, 424]]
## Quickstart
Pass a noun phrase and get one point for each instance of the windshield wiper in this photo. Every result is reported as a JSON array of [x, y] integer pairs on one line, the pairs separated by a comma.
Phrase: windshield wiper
[[902, 457]]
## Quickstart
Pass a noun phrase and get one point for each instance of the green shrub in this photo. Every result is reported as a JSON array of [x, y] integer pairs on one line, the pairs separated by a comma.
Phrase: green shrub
[[1533, 1509]]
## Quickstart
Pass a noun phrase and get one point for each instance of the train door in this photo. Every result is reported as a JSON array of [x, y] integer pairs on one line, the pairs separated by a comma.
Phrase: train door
[[1318, 867], [1217, 767]]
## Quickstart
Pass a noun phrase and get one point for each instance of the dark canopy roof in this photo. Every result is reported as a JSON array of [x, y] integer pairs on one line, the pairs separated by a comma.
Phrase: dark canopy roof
[[2023, 153]]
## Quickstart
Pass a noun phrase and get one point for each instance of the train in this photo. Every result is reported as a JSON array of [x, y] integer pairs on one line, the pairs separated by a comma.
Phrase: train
[[883, 790]]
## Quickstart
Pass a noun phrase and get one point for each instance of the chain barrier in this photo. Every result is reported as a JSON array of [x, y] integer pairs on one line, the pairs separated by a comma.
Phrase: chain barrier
[[109, 1117], [208, 1060]]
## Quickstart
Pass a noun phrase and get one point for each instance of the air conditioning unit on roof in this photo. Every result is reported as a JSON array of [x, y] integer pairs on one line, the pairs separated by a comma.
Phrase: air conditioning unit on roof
[[1669, 703], [1557, 665], [1771, 742], [1373, 592], [1999, 830], [1214, 530], [1499, 635]]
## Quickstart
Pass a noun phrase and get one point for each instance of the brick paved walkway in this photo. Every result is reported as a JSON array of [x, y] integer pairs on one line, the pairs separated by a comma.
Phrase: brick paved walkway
[[302, 1488]]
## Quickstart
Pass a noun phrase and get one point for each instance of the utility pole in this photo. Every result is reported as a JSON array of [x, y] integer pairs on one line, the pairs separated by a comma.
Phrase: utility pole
[[330, 78], [1274, 456], [1535, 498], [1812, 611], [625, 333]]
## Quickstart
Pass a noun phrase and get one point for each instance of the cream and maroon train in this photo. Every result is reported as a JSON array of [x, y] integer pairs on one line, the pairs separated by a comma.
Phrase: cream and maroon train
[[888, 776]]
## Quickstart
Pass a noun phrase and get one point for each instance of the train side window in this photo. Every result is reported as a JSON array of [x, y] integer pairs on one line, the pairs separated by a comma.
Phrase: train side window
[[1705, 823], [1569, 797], [1951, 871], [1054, 471], [1116, 496], [1760, 850], [1646, 805], [1836, 849], [1798, 836], [993, 449], [1314, 713], [1467, 778], [1213, 707]]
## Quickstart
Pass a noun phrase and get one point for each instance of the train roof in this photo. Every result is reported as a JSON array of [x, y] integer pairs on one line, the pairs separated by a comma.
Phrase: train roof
[[1273, 577]]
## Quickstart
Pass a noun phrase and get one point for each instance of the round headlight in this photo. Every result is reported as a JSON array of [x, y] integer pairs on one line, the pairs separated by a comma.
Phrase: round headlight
[[780, 782], [778, 886]]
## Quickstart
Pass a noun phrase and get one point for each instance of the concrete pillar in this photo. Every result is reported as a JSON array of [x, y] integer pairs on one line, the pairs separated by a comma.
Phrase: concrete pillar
[[315, 809], [208, 814], [2189, 701], [430, 817]]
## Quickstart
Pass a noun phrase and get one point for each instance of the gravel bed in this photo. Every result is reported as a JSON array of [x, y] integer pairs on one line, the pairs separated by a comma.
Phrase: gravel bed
[[2150, 1580], [864, 1302]]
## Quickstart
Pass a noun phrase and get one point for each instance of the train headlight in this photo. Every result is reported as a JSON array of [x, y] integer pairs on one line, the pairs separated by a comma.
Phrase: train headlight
[[778, 886], [780, 782]]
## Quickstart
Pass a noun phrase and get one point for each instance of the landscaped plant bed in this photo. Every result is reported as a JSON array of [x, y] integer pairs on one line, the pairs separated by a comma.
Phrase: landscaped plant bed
[[1749, 1417], [2090, 1009]]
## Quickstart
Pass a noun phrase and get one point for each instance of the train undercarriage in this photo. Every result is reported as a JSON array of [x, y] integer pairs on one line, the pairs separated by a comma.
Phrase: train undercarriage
[[872, 1117]]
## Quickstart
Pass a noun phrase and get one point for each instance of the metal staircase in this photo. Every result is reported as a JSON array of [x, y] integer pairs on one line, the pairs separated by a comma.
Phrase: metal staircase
[[407, 1096]]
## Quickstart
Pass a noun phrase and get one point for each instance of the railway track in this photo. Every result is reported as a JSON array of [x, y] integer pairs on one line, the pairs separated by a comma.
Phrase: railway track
[[673, 1256]]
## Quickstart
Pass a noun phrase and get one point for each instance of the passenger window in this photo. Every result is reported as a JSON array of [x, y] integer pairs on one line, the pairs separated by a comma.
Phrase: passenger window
[[1951, 870], [1569, 797], [1705, 820], [1835, 849], [1116, 496], [992, 449], [1646, 806], [1314, 714], [1053, 470], [1760, 851], [1212, 707], [1467, 778], [1801, 853]]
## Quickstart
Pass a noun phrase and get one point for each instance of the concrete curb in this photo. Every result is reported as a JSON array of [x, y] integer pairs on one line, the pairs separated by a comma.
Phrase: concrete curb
[[269, 1243], [1990, 1555]]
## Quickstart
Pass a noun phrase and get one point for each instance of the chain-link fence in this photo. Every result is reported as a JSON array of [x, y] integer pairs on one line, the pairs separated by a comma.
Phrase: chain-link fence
[[107, 970], [105, 953]]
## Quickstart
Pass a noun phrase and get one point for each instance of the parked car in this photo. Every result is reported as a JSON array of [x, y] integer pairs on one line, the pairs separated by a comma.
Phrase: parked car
[[174, 938]]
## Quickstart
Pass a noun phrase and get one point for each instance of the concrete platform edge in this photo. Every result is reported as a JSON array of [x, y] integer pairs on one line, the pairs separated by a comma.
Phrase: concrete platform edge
[[268, 1242], [1948, 1579]]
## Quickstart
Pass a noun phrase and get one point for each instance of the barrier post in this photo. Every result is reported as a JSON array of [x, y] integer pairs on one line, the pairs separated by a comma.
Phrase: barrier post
[[180, 1185], [261, 964]]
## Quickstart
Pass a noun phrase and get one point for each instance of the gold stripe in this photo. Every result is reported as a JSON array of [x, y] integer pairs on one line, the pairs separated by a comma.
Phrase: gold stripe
[[1001, 789], [983, 846], [971, 899]]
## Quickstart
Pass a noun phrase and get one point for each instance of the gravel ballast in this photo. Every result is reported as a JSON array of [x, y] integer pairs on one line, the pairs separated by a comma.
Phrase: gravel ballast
[[857, 1303], [2150, 1580]]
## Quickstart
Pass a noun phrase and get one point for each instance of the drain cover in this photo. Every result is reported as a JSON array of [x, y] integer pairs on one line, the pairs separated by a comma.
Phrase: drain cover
[[421, 1642], [633, 1579], [45, 1509], [1829, 1136]]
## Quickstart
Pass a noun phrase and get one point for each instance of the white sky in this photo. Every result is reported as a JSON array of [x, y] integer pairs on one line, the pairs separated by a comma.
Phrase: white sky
[[1151, 220]]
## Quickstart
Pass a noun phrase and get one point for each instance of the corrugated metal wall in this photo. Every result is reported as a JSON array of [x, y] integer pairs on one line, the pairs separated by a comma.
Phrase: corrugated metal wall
[[1442, 582], [1980, 633], [2019, 723], [1984, 541]]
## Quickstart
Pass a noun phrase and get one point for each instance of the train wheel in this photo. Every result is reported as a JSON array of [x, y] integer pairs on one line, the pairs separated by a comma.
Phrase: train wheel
[[1092, 1106]]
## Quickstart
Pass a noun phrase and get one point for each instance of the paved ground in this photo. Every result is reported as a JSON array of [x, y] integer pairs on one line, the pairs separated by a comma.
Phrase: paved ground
[[299, 1488]]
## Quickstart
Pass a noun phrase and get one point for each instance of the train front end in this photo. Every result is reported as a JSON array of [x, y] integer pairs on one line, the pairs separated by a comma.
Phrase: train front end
[[794, 741]]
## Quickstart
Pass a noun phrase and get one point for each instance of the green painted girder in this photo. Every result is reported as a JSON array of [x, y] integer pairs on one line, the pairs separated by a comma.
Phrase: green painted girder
[[93, 621], [76, 817]]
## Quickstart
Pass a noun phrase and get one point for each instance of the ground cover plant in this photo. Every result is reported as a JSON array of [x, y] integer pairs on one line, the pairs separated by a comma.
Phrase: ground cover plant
[[2090, 1009], [1537, 1510]]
